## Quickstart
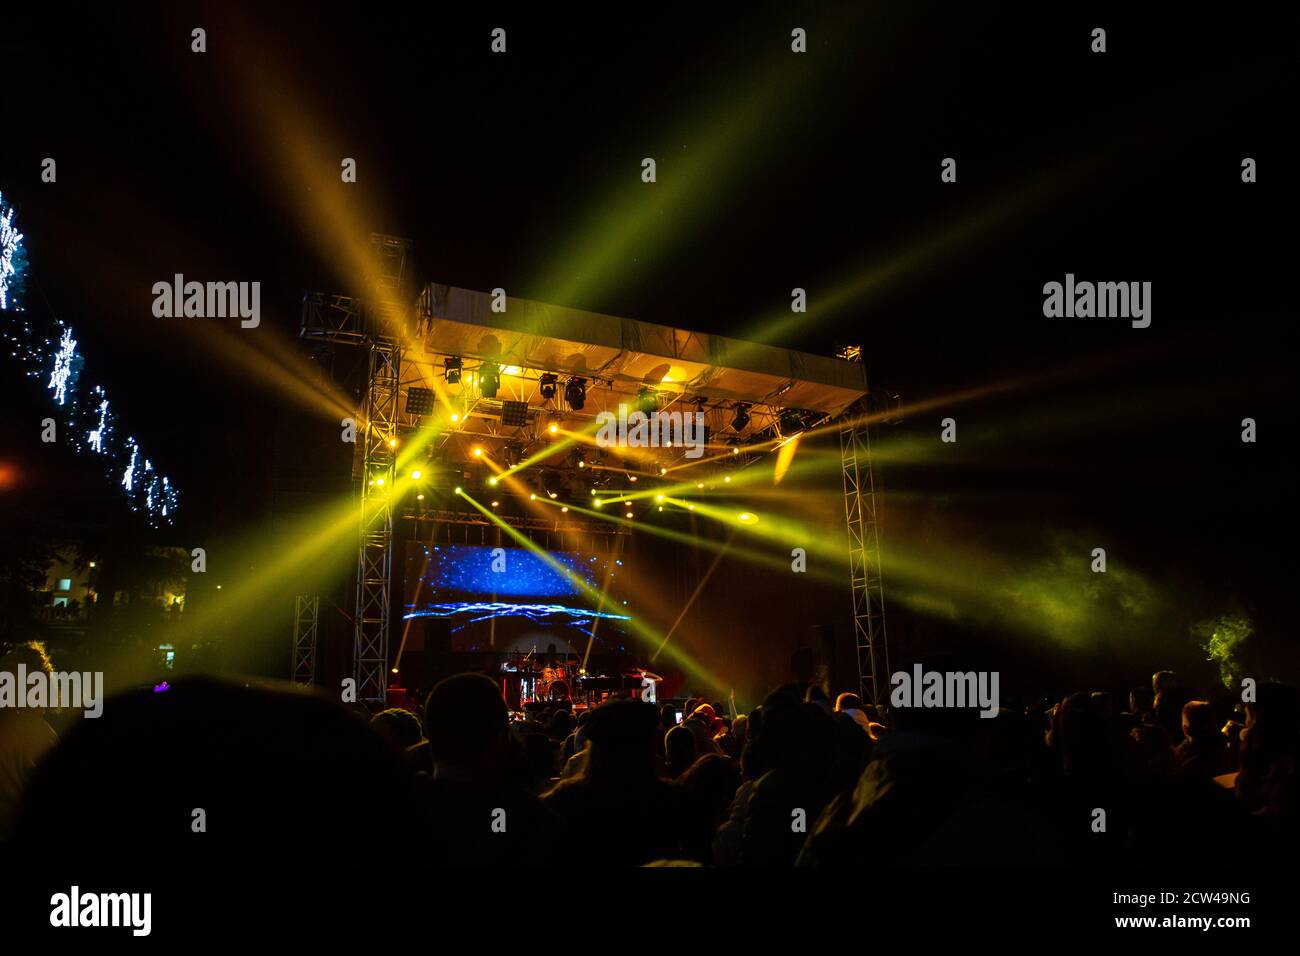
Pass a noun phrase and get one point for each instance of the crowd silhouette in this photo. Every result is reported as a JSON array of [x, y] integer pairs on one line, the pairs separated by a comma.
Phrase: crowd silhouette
[[214, 767]]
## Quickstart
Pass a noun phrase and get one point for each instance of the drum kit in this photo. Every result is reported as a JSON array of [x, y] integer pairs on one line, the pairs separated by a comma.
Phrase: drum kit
[[541, 682], [554, 684]]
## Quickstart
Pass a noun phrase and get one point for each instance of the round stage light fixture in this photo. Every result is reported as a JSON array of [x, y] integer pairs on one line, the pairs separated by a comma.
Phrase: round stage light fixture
[[489, 379], [533, 496], [419, 497], [746, 517], [455, 417], [548, 384], [629, 514], [741, 418], [554, 429], [647, 401], [392, 443], [493, 481], [659, 497], [458, 490], [496, 504], [416, 475], [727, 479], [451, 366], [690, 507], [565, 509], [478, 452], [575, 393]]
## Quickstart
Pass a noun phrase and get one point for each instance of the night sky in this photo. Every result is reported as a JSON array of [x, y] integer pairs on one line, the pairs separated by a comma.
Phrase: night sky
[[775, 170]]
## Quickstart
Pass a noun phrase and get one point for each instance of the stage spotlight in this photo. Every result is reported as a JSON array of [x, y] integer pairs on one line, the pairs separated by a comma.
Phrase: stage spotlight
[[631, 477], [581, 463], [659, 497], [496, 504], [416, 474], [489, 379], [512, 452], [533, 496], [791, 420], [392, 443], [735, 450], [548, 384], [419, 497], [554, 429], [514, 414], [478, 452], [746, 517], [459, 491], [741, 418], [727, 479], [690, 507], [419, 401], [493, 481], [699, 484], [565, 509], [451, 364], [575, 393], [597, 501], [661, 507], [629, 514], [646, 400], [663, 471]]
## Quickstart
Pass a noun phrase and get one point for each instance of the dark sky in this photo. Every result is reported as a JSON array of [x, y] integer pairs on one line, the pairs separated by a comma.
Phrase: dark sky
[[818, 172]]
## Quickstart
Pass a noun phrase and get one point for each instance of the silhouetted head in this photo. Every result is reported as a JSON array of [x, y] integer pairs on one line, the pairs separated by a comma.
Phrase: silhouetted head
[[399, 727], [1164, 680], [210, 768], [679, 746], [623, 734], [466, 722], [848, 702], [1198, 720]]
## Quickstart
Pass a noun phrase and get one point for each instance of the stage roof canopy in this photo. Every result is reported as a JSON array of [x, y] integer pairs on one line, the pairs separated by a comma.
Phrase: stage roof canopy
[[625, 354]]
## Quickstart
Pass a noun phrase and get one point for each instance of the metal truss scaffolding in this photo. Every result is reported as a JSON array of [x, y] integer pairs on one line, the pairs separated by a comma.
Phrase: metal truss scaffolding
[[375, 556], [864, 559], [306, 612], [377, 323]]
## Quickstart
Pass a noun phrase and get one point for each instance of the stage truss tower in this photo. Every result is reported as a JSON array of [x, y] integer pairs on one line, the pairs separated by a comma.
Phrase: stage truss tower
[[377, 323], [868, 594]]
